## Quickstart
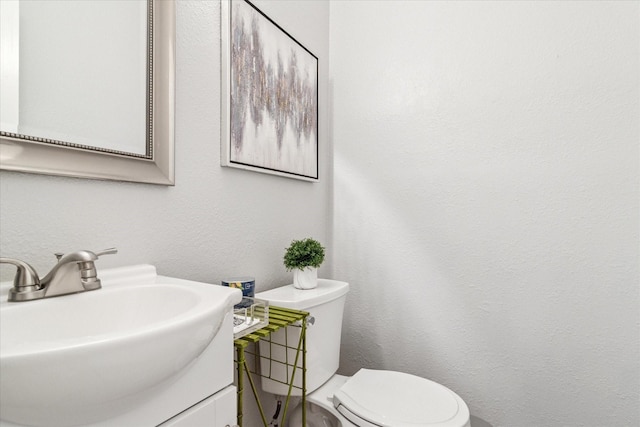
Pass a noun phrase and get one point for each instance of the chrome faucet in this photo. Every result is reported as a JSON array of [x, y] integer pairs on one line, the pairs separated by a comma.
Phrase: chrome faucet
[[74, 272]]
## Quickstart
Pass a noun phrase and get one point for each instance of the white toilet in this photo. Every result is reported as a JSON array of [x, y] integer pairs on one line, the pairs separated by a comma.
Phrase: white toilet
[[370, 398]]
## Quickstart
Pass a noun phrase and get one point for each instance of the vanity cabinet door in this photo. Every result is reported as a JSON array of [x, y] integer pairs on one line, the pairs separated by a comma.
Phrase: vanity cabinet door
[[218, 410], [226, 405]]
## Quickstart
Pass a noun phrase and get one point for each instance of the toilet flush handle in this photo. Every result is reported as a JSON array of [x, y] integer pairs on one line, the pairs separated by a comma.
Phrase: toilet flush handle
[[310, 320]]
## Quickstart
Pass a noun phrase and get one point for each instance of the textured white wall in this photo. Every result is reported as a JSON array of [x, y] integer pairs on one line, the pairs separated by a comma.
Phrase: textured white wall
[[486, 202], [216, 221]]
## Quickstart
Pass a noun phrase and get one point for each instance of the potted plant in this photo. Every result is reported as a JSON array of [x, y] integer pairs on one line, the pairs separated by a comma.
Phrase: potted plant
[[303, 257]]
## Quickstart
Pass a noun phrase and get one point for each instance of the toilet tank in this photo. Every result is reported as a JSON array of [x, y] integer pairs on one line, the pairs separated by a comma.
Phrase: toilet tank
[[325, 303]]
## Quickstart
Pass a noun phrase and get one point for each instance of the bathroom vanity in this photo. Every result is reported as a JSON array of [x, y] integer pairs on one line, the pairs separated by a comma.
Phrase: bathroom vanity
[[142, 350], [202, 396]]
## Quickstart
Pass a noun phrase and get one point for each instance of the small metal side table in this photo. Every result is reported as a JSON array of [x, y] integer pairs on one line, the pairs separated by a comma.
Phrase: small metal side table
[[279, 318]]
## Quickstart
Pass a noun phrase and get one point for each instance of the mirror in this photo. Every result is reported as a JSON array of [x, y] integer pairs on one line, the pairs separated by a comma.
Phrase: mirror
[[88, 88]]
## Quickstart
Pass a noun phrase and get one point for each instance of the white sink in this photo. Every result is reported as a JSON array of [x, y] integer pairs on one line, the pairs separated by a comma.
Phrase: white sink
[[77, 359]]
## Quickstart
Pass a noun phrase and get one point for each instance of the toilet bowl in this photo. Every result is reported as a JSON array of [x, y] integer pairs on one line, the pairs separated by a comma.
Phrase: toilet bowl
[[377, 405], [369, 398]]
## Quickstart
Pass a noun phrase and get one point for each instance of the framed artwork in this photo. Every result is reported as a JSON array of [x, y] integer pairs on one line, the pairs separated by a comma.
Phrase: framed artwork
[[269, 96]]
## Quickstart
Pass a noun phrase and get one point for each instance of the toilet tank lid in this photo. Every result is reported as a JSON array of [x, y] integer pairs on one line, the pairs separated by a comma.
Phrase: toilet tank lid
[[303, 299]]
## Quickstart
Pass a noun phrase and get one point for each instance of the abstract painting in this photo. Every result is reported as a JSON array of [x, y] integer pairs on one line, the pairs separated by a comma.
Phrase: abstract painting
[[270, 82]]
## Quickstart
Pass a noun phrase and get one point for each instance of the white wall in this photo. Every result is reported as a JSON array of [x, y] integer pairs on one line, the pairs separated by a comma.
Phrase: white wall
[[486, 201]]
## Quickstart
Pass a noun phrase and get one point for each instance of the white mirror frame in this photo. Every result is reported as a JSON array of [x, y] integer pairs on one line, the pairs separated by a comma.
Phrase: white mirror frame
[[36, 155]]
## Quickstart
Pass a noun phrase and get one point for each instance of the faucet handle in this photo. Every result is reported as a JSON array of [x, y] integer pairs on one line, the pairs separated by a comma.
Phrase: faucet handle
[[26, 283], [88, 255], [88, 272], [109, 251], [26, 275]]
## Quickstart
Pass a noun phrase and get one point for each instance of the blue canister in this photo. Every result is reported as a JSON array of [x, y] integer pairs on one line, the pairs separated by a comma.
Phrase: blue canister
[[246, 284]]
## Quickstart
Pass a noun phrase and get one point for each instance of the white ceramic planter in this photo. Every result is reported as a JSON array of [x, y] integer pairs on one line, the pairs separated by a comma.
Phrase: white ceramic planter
[[306, 278]]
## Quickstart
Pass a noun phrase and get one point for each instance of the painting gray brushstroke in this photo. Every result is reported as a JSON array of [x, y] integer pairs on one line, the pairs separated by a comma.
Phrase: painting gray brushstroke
[[273, 96]]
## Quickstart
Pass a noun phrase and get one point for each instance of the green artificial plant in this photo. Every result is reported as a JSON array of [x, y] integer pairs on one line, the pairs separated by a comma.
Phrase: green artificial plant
[[303, 253]]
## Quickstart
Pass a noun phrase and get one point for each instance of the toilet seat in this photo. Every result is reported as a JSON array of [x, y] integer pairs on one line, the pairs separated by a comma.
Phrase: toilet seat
[[374, 398]]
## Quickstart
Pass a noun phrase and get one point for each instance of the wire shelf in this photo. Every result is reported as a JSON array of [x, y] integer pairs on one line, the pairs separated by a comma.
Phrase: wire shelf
[[286, 356]]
